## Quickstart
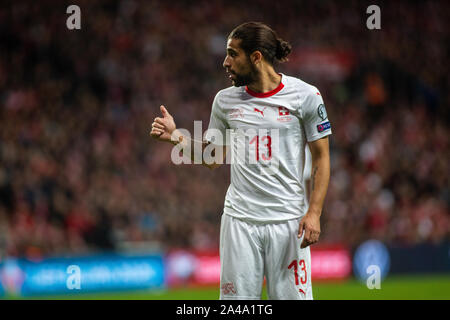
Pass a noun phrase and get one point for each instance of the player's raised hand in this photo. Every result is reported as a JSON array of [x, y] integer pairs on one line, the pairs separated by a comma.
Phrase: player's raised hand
[[162, 128], [310, 224]]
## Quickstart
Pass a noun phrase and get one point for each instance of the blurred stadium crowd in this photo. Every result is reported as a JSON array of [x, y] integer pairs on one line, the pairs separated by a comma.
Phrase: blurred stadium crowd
[[79, 172]]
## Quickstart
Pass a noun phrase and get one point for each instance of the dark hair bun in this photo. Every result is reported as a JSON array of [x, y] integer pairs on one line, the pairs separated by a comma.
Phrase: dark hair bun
[[283, 50]]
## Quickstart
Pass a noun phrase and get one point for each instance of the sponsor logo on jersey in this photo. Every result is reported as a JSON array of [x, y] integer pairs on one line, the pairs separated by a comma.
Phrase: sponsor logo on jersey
[[322, 112], [228, 288], [260, 111], [236, 113], [283, 114], [324, 126]]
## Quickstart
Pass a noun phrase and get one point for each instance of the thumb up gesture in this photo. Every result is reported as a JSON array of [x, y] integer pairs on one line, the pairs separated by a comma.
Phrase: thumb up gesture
[[162, 128]]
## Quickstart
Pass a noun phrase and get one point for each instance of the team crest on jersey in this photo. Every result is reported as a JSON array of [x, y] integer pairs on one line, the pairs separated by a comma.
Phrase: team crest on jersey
[[283, 114], [236, 113], [228, 288]]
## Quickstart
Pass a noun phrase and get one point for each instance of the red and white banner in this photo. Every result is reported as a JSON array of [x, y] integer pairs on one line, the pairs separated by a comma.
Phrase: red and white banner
[[203, 268], [329, 263], [192, 268]]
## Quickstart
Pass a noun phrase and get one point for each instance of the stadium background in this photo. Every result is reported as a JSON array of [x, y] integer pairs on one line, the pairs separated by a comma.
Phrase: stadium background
[[81, 181]]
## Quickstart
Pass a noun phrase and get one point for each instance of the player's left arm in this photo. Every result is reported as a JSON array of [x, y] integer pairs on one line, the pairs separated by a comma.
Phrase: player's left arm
[[320, 177]]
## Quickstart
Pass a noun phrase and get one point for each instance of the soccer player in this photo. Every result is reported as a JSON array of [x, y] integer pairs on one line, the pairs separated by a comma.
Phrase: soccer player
[[267, 225]]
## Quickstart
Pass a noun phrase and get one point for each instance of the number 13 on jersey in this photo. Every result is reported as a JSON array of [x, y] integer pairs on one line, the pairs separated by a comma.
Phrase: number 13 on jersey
[[267, 141], [253, 147]]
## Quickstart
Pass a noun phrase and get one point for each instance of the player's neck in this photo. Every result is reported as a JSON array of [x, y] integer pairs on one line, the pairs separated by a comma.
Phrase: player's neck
[[268, 81]]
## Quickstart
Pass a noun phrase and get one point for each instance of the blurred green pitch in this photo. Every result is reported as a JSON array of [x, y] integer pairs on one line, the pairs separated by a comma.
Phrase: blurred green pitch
[[411, 287]]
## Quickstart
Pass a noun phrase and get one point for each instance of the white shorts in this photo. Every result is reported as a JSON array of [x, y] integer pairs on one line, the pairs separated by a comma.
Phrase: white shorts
[[249, 251]]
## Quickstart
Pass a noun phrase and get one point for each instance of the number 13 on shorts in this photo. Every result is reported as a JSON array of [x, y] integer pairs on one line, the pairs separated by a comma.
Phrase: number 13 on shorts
[[300, 274]]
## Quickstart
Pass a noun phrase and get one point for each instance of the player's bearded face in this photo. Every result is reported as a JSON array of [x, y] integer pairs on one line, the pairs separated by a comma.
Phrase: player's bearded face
[[245, 74], [240, 69]]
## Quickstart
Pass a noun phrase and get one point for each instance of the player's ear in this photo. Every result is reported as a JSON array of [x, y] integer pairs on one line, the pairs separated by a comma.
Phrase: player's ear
[[256, 57]]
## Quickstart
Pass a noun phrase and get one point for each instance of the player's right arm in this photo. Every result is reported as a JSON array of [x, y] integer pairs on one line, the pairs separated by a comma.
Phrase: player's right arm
[[164, 129]]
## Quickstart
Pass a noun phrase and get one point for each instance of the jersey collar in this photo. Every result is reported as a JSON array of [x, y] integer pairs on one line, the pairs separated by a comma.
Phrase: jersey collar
[[266, 94]]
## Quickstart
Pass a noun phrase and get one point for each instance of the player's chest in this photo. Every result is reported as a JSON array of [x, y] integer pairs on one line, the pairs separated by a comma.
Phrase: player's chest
[[261, 115]]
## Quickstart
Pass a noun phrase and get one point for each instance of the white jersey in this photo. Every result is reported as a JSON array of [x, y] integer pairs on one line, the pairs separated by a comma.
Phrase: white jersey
[[273, 129]]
